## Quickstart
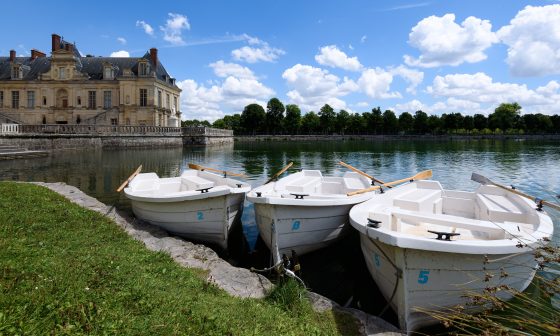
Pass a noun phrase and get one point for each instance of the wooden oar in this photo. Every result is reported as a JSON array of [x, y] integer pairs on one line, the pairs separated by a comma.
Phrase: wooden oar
[[201, 168], [484, 180], [361, 172], [419, 176], [125, 183], [279, 173]]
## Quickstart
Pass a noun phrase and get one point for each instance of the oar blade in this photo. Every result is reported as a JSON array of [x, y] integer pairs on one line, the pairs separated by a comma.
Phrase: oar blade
[[480, 179], [423, 175]]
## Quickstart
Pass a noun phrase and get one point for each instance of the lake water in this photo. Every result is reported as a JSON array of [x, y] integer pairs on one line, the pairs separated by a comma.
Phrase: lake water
[[338, 272]]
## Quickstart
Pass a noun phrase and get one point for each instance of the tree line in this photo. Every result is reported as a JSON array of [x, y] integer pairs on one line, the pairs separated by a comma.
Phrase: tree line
[[280, 119]]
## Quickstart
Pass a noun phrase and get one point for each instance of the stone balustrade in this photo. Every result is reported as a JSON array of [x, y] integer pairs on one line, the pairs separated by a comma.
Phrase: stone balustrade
[[10, 129]]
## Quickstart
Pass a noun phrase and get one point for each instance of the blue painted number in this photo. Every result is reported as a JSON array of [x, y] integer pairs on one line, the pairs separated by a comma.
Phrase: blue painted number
[[377, 262], [423, 277], [295, 225], [200, 215]]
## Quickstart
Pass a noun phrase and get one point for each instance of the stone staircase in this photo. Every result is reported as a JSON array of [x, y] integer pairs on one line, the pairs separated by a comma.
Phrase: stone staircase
[[8, 152]]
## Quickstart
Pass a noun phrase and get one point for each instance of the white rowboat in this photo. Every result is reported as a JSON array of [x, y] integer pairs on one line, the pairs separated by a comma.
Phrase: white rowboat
[[197, 205], [305, 211], [498, 232]]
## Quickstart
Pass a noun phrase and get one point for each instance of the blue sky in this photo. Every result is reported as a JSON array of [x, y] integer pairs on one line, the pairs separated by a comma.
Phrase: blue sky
[[438, 56]]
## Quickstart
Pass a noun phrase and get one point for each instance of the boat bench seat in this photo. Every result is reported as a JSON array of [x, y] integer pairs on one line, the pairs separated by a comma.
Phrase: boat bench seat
[[196, 183], [499, 208], [303, 185], [418, 200]]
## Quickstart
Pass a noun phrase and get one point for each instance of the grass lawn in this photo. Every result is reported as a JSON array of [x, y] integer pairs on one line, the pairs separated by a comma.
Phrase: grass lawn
[[68, 270]]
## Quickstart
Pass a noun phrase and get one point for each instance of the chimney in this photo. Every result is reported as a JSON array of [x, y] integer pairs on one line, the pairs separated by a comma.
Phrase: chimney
[[55, 42], [36, 54], [12, 55], [153, 56]]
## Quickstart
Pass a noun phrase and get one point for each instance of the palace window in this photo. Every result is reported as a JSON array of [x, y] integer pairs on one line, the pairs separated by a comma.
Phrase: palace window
[[114, 121], [159, 98], [108, 73], [142, 69], [44, 100], [107, 99], [15, 99], [79, 101], [175, 103], [1, 99], [17, 72], [61, 73], [143, 97], [167, 101], [91, 99], [30, 99]]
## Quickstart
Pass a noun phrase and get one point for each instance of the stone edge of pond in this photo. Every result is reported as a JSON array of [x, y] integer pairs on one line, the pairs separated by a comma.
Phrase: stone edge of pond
[[236, 281]]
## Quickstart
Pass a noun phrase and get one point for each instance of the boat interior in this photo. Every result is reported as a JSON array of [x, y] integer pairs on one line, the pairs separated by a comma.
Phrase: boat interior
[[189, 181], [489, 213], [312, 184]]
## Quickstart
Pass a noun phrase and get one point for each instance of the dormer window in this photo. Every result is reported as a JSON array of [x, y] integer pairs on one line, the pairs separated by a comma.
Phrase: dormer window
[[61, 73], [17, 72], [142, 69], [108, 73]]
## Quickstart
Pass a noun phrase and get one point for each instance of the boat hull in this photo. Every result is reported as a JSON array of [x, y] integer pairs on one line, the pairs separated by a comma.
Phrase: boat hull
[[429, 282], [302, 229], [206, 220]]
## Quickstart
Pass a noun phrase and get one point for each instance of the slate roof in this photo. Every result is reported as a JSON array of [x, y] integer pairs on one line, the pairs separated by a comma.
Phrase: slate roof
[[92, 66]]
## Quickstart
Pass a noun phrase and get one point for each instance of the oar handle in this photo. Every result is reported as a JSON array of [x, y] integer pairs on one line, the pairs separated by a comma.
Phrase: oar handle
[[201, 168], [360, 172], [279, 173], [125, 183], [419, 176]]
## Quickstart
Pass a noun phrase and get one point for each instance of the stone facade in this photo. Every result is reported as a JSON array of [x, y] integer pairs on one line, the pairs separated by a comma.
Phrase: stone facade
[[67, 88]]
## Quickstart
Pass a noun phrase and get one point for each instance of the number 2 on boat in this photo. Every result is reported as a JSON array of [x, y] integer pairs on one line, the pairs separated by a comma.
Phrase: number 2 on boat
[[200, 215], [295, 225], [423, 277], [376, 258]]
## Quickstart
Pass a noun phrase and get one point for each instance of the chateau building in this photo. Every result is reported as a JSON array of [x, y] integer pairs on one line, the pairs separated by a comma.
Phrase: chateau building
[[68, 88]]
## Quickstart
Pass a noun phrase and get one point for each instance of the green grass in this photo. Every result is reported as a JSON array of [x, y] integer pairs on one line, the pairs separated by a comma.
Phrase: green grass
[[68, 270]]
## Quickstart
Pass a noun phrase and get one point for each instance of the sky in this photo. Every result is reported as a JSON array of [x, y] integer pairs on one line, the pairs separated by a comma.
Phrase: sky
[[435, 56]]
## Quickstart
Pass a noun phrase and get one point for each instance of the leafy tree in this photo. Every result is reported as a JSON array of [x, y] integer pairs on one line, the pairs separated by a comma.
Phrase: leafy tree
[[342, 121], [195, 122], [292, 122], [451, 121], [357, 123], [274, 115], [390, 122], [376, 121], [420, 122], [310, 122], [327, 118], [434, 124], [468, 123], [480, 121], [406, 122], [252, 118], [504, 116], [555, 120]]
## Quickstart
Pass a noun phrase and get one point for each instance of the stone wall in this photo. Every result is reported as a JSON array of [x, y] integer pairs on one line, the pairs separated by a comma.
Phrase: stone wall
[[319, 137]]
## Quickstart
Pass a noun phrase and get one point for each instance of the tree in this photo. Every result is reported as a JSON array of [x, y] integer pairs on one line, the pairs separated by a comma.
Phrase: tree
[[451, 121], [504, 116], [434, 124], [274, 115], [406, 122], [310, 122], [342, 121], [555, 120], [420, 122], [252, 118], [376, 120], [480, 121], [390, 122], [292, 122], [357, 123], [195, 123], [468, 123], [327, 118]]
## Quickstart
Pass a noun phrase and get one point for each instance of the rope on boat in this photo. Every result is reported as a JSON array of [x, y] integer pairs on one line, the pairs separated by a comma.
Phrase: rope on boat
[[398, 274], [267, 269]]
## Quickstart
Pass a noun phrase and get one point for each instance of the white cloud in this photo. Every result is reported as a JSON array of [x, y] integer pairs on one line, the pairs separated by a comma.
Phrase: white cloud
[[464, 89], [334, 57], [376, 83], [350, 47], [221, 98], [120, 53], [533, 40], [410, 107], [313, 87], [362, 104], [174, 27], [441, 41], [121, 40], [261, 51], [363, 39], [147, 28], [411, 76], [223, 69]]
